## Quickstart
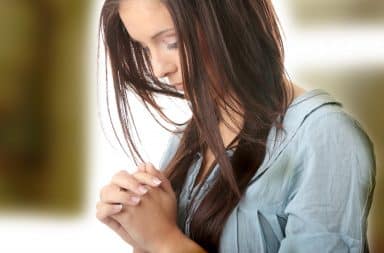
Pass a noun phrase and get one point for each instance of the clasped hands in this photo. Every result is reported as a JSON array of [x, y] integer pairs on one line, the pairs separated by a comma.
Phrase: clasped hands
[[140, 207]]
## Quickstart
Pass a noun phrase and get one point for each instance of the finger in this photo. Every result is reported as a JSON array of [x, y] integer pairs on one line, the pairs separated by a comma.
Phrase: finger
[[110, 222], [116, 227], [166, 185], [112, 194], [141, 167], [125, 180], [104, 210], [147, 178]]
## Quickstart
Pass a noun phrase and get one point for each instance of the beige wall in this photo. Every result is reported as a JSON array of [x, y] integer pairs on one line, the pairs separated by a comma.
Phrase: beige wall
[[42, 104]]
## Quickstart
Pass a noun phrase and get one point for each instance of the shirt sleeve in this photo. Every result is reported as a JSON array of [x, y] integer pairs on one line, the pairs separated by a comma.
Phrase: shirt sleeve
[[332, 188]]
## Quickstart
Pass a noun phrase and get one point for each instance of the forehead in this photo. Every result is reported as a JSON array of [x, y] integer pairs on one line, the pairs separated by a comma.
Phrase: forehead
[[144, 18]]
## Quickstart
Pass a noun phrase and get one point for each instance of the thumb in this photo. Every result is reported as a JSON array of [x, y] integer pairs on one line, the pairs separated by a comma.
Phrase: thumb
[[165, 183]]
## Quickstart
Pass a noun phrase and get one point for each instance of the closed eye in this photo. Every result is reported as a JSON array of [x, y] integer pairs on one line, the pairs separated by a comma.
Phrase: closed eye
[[172, 46]]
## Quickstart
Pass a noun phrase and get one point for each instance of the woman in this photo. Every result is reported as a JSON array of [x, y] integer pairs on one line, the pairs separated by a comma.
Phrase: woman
[[262, 166]]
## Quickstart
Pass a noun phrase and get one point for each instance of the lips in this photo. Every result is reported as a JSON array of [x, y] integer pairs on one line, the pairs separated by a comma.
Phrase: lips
[[178, 86]]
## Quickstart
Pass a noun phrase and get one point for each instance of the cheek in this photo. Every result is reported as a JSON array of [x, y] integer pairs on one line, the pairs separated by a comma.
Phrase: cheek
[[175, 57], [178, 62]]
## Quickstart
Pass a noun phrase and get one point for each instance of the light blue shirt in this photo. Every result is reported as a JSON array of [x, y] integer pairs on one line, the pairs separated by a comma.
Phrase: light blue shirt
[[312, 192]]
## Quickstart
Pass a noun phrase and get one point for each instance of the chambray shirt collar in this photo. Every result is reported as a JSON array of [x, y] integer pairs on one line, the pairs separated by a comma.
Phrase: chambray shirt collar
[[294, 118]]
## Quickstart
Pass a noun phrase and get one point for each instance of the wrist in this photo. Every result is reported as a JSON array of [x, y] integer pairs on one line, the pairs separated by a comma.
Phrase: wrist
[[176, 242]]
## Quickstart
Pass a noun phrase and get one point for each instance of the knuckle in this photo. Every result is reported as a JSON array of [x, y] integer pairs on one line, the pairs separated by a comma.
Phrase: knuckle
[[125, 180], [142, 177], [154, 170], [138, 174], [121, 173], [104, 191], [141, 167], [150, 167]]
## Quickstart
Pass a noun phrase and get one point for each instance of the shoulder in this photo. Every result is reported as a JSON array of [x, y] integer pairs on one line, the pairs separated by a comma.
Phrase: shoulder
[[324, 138], [333, 128], [334, 142], [318, 121]]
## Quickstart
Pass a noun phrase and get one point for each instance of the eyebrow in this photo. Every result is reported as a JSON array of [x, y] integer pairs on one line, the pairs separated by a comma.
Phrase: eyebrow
[[160, 33]]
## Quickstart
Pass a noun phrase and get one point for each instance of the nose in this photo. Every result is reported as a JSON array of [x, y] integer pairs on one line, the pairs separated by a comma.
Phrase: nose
[[162, 65]]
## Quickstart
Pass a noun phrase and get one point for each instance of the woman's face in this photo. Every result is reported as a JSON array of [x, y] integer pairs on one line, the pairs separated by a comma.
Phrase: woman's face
[[149, 23]]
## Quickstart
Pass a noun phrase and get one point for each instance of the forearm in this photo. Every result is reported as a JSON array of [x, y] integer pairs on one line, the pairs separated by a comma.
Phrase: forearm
[[137, 250]]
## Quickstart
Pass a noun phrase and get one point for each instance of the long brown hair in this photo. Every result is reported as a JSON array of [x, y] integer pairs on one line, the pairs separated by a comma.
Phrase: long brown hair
[[231, 54]]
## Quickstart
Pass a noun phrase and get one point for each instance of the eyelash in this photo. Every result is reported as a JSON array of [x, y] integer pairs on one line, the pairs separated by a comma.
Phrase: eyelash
[[169, 46], [172, 46]]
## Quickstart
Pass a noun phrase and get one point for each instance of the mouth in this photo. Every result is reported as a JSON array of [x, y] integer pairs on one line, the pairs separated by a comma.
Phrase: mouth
[[178, 86]]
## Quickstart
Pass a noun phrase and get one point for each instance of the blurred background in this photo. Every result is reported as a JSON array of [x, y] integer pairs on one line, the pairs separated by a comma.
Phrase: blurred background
[[57, 148]]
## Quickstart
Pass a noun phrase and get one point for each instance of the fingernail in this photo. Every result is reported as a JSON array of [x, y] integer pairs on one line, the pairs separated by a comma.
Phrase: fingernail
[[117, 207], [156, 181], [135, 199], [142, 189]]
